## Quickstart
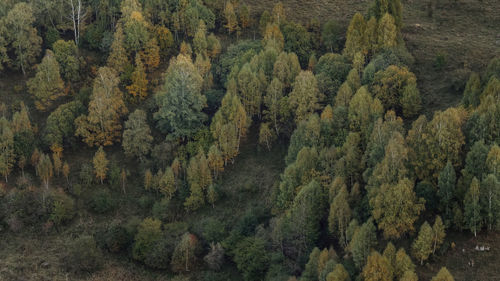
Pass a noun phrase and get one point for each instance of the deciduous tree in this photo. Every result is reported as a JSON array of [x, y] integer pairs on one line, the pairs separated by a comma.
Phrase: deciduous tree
[[137, 135], [100, 163], [422, 245], [377, 268], [472, 212], [7, 155], [139, 87], [305, 97]]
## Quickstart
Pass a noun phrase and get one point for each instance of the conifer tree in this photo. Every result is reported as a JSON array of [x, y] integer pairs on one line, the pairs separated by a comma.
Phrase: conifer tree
[[139, 87], [47, 85], [102, 125], [422, 245], [472, 212], [100, 163]]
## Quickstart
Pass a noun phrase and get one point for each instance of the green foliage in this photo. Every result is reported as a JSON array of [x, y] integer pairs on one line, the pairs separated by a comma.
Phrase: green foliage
[[297, 40], [180, 102], [63, 209], [60, 123], [251, 258], [363, 240], [422, 245], [472, 208], [83, 256], [65, 53], [331, 35], [331, 71], [102, 202], [443, 275], [7, 156], [148, 234], [137, 135], [184, 256]]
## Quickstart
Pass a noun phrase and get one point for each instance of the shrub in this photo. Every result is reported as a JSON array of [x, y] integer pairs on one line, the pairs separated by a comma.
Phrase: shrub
[[63, 208], [148, 234], [115, 238], [102, 202], [83, 255], [160, 255]]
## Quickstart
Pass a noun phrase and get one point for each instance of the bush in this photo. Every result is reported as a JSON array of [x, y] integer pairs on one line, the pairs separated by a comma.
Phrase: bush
[[63, 208], [160, 210], [102, 202], [148, 234], [213, 230], [251, 258], [83, 255], [440, 61], [115, 238], [160, 255], [86, 174]]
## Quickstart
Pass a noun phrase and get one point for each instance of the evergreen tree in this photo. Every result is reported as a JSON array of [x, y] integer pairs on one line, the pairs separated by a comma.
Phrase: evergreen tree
[[47, 85]]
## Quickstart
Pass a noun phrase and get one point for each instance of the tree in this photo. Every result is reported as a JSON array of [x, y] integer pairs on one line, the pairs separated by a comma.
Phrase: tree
[[249, 88], [305, 97], [56, 158], [118, 58], [148, 234], [65, 53], [377, 268], [355, 37], [151, 55], [231, 18], [44, 169], [403, 264], [180, 102], [22, 36], [340, 215], [362, 242], [137, 135], [244, 16], [438, 233], [493, 160], [472, 212], [446, 189], [139, 87], [443, 275], [411, 101], [275, 106], [184, 256], [490, 199], [396, 208], [229, 126], [409, 276], [331, 35], [47, 84], [215, 160], [286, 68], [200, 43], [266, 136], [390, 255], [388, 85], [472, 92], [387, 32], [251, 258], [7, 155], [60, 125], [422, 245], [148, 179], [338, 274], [167, 185], [278, 13], [311, 269], [102, 125], [135, 29], [65, 171], [100, 164], [199, 179], [363, 110]]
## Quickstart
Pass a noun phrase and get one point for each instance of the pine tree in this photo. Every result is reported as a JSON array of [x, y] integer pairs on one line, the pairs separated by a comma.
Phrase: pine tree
[[7, 154], [472, 214], [47, 85], [102, 125], [100, 163], [443, 275], [422, 245], [139, 87]]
